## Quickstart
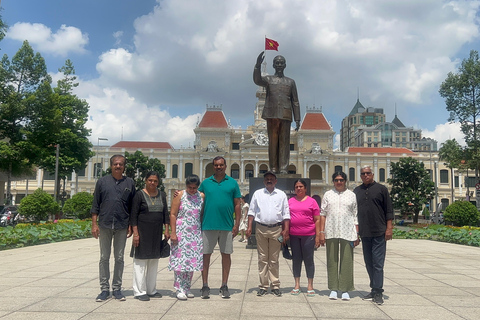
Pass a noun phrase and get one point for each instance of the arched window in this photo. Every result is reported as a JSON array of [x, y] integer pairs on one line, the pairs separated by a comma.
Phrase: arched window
[[175, 171], [209, 170], [263, 168], [249, 171], [338, 169], [315, 172], [292, 169], [235, 171], [382, 175], [351, 174], [188, 169]]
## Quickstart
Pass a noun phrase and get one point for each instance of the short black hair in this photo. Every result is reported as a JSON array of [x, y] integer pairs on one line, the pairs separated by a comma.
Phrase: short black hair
[[339, 173], [192, 179]]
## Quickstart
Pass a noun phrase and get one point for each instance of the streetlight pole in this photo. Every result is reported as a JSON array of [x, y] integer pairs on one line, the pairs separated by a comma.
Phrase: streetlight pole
[[96, 164]]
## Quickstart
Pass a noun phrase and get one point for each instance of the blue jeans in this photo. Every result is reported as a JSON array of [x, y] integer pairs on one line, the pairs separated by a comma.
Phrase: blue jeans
[[374, 250]]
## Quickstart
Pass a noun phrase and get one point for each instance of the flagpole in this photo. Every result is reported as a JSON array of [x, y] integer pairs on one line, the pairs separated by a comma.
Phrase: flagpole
[[265, 57]]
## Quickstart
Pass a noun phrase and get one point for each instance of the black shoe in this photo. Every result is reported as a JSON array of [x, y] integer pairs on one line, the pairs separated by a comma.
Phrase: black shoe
[[103, 296], [224, 292], [378, 299], [277, 292], [261, 292], [369, 296], [205, 292], [143, 297], [117, 294], [155, 295]]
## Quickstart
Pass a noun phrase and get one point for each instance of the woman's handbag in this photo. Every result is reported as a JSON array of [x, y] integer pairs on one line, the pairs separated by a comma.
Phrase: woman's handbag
[[286, 252], [164, 249]]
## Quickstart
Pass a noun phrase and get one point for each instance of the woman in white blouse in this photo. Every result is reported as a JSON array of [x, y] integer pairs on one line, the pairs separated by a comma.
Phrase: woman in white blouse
[[339, 230]]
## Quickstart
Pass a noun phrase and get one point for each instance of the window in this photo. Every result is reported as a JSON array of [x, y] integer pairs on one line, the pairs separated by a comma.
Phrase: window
[[457, 182], [292, 147], [351, 174], [81, 173], [382, 175], [97, 171], [249, 171], [361, 119], [235, 146], [315, 172], [443, 176], [291, 169], [445, 203], [263, 169], [188, 169], [338, 168], [369, 120], [470, 182], [235, 171], [175, 171]]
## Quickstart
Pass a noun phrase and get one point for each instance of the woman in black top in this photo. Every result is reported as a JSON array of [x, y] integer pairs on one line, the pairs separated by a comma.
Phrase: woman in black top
[[149, 215]]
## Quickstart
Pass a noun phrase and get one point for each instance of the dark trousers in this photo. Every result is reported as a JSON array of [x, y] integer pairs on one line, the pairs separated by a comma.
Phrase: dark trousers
[[374, 250], [303, 248], [278, 144]]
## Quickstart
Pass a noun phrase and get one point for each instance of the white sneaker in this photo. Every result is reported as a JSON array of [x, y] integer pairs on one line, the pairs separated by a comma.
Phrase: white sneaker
[[181, 296], [190, 294], [333, 295], [345, 296]]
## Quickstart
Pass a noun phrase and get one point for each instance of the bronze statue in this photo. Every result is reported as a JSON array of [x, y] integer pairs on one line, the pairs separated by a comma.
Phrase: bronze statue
[[280, 102]]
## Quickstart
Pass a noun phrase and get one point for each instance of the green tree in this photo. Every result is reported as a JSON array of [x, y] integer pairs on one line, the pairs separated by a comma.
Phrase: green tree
[[462, 213], [38, 205], [19, 80], [79, 205], [452, 154], [138, 165], [411, 186], [59, 117], [461, 92]]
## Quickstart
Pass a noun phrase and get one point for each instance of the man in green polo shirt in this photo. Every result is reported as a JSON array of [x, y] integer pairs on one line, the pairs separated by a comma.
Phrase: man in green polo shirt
[[222, 200]]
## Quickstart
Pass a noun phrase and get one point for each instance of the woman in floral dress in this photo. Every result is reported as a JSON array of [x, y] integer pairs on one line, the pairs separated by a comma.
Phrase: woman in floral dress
[[186, 237]]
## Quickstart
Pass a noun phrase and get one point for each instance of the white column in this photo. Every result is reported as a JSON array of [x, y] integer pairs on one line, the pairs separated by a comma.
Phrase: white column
[[305, 167]]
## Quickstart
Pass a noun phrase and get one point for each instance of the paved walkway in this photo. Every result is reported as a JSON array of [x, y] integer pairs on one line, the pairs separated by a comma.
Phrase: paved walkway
[[424, 280]]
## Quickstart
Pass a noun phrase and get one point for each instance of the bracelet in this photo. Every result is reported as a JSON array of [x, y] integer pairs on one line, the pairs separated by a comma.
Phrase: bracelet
[[321, 231], [135, 235]]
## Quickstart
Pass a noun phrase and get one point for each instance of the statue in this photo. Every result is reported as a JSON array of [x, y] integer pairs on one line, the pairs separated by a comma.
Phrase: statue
[[280, 102]]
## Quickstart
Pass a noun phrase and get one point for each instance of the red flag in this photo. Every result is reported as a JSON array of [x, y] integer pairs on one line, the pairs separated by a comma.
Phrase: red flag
[[271, 44]]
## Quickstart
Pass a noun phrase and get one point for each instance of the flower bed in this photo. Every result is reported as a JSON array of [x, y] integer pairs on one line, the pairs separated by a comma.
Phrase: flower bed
[[32, 234], [460, 235]]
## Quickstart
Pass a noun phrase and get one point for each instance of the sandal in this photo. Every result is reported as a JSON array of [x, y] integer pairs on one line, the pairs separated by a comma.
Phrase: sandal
[[295, 292], [311, 293]]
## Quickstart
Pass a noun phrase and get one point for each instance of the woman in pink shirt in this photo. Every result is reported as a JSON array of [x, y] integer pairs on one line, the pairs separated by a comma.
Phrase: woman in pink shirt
[[304, 234]]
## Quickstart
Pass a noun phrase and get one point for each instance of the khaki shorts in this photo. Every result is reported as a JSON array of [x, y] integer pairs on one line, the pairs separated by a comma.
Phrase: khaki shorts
[[223, 237]]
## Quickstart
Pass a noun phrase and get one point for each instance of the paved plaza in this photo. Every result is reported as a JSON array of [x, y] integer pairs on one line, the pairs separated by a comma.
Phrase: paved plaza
[[423, 280]]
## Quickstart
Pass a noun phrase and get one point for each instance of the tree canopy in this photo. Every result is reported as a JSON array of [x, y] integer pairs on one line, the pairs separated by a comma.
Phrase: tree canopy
[[411, 186]]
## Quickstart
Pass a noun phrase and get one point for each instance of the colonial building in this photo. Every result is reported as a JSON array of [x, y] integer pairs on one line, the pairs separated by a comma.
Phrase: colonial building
[[245, 150]]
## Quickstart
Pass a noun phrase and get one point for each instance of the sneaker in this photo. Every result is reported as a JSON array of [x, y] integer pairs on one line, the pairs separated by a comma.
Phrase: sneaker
[[369, 296], [118, 295], [155, 295], [261, 292], [181, 295], [345, 296], [245, 241], [333, 295], [241, 240], [189, 294], [277, 292], [224, 292], [103, 296], [378, 299], [205, 292], [143, 297]]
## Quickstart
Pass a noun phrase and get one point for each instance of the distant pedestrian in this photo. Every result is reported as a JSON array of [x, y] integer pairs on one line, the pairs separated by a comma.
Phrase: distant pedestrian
[[375, 215], [244, 221], [269, 210], [112, 204], [186, 237]]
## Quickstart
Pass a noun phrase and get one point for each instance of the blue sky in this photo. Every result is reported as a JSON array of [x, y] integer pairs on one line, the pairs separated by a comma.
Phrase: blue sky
[[148, 68]]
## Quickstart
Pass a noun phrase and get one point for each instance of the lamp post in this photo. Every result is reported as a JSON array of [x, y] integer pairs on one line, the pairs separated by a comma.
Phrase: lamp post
[[96, 164]]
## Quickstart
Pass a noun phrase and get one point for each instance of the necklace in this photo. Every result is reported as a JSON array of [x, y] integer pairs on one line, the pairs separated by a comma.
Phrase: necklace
[[151, 200]]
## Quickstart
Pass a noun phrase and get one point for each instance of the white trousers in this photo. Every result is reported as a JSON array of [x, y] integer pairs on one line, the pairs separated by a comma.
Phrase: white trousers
[[144, 276]]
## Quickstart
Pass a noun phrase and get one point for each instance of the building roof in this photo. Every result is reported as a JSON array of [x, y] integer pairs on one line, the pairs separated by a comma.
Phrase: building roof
[[315, 121], [142, 145], [357, 106], [379, 150], [397, 122], [213, 119]]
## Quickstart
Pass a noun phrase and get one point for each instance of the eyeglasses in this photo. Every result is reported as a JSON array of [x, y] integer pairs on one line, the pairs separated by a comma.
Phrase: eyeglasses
[[365, 173], [338, 180]]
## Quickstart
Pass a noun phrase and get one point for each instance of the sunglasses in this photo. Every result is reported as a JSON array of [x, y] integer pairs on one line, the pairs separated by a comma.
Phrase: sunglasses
[[339, 180], [365, 173]]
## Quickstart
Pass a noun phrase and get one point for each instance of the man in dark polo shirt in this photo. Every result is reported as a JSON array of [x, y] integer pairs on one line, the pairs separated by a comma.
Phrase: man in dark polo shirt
[[112, 203], [375, 215]]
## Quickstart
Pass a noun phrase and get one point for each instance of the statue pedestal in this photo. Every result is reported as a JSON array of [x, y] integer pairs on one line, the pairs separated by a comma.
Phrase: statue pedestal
[[285, 182]]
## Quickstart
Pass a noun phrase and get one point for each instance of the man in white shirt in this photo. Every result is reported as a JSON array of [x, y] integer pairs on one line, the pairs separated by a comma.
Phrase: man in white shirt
[[269, 209]]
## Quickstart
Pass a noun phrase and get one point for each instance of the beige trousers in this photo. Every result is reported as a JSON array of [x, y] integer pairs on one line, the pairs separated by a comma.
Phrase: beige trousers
[[268, 248]]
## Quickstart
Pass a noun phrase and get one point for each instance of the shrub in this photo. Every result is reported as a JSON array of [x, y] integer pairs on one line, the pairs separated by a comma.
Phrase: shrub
[[79, 205], [38, 205], [462, 213]]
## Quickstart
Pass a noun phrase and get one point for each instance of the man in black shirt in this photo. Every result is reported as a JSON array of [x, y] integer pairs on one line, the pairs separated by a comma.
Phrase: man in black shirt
[[375, 215], [112, 203]]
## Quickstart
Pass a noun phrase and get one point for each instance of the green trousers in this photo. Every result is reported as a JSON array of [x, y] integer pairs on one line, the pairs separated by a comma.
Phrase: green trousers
[[340, 265]]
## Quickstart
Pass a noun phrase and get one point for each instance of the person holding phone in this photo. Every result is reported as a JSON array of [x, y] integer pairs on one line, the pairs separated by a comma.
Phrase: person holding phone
[[269, 209], [304, 235]]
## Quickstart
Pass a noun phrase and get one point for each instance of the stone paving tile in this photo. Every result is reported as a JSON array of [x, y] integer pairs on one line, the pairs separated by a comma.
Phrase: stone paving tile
[[424, 313], [471, 313], [44, 316]]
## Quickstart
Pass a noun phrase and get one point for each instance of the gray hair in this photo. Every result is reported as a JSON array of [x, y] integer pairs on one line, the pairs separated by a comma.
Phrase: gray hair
[[367, 167]]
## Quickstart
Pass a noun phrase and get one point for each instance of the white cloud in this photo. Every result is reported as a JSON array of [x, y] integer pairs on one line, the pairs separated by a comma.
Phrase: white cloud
[[64, 41], [445, 131]]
